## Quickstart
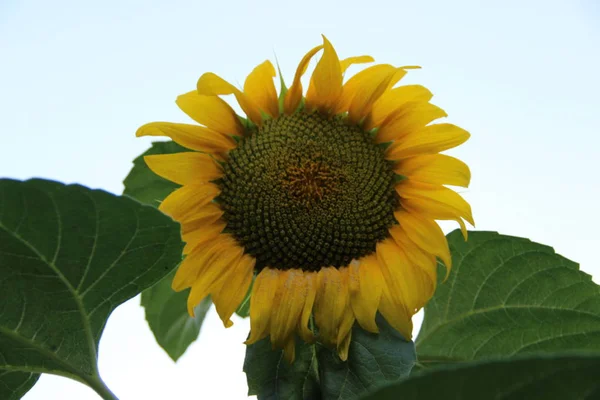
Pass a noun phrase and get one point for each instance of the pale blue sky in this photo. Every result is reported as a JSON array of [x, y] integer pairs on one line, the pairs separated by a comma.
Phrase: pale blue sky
[[78, 77]]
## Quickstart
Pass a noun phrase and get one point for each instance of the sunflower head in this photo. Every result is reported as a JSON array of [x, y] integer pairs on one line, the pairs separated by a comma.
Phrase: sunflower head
[[327, 200]]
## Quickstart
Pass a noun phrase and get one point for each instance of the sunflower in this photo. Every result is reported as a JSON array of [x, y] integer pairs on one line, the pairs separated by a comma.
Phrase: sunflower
[[327, 201]]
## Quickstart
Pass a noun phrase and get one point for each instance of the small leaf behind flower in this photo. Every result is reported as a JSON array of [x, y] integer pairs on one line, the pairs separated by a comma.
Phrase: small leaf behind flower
[[168, 318], [270, 376], [166, 310], [144, 185], [318, 373], [243, 309], [373, 360]]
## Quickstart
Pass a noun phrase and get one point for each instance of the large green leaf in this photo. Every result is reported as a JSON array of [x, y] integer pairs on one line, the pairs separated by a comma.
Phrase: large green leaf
[[167, 315], [68, 257], [507, 296], [543, 377], [166, 310], [14, 384], [318, 373]]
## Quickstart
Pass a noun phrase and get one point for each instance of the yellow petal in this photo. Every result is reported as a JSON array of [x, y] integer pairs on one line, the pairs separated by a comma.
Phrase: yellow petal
[[203, 217], [294, 93], [193, 137], [416, 255], [260, 88], [400, 73], [434, 195], [190, 267], [326, 81], [435, 210], [182, 204], [369, 84], [330, 304], [286, 313], [411, 284], [212, 112], [347, 62], [395, 313], [429, 140], [289, 350], [348, 315], [414, 117], [211, 84], [263, 292], [205, 225], [201, 235], [311, 290], [426, 233], [393, 101], [366, 286], [435, 202], [217, 268], [344, 346], [185, 168], [437, 169], [231, 293], [365, 87]]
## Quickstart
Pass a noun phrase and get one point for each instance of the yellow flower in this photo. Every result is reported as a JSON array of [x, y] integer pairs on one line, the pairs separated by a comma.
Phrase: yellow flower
[[329, 200]]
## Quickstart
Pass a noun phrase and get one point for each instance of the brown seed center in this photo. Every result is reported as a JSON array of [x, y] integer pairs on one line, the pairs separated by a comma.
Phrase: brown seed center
[[311, 180]]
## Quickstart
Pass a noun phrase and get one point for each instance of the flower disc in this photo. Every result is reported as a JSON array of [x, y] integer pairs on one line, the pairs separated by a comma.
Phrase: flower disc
[[307, 191]]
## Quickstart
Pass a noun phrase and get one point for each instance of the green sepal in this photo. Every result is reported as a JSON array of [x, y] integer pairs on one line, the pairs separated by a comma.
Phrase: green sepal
[[399, 178], [385, 145], [283, 90]]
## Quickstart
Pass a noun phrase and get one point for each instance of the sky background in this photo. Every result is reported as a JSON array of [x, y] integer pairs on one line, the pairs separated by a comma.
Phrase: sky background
[[78, 77]]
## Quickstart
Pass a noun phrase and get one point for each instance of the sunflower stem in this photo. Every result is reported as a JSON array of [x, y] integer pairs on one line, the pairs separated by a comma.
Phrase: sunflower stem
[[98, 385]]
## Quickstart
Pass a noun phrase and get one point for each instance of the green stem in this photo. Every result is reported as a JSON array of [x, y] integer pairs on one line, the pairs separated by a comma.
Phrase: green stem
[[100, 387]]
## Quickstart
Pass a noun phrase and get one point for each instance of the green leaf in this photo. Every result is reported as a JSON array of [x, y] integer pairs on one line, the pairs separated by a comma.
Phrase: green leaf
[[144, 185], [544, 377], [68, 257], [243, 309], [506, 296], [270, 376], [373, 359], [167, 316], [318, 372], [166, 310], [14, 384]]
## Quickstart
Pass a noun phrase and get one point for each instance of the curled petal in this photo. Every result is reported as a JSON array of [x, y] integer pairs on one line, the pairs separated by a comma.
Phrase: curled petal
[[293, 97], [211, 84], [212, 112], [347, 62], [259, 88], [326, 81]]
